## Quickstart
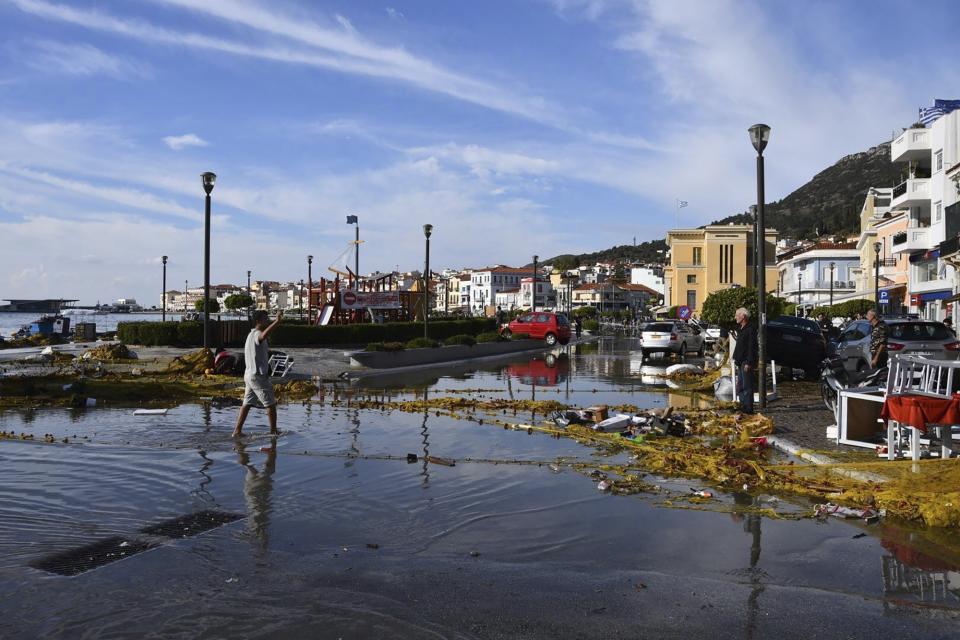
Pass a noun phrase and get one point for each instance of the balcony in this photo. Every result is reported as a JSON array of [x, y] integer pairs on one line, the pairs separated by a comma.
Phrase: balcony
[[911, 193], [916, 239], [838, 285], [912, 144]]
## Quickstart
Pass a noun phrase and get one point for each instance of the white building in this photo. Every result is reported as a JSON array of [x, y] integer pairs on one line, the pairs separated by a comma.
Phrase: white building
[[650, 277], [926, 193], [487, 282], [545, 297], [810, 275], [508, 300]]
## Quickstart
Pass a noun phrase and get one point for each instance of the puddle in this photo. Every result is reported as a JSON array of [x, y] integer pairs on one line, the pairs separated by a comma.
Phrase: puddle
[[340, 535]]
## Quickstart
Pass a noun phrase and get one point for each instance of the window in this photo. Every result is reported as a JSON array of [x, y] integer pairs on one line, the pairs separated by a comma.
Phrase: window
[[698, 256], [692, 279], [938, 211], [692, 298], [938, 162]]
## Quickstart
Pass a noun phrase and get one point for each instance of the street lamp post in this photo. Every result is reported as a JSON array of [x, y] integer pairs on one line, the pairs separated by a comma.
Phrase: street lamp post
[[164, 260], [300, 297], [185, 296], [876, 275], [354, 220], [309, 288], [800, 293], [756, 245], [533, 288], [832, 267], [427, 230], [759, 137], [209, 179], [249, 294]]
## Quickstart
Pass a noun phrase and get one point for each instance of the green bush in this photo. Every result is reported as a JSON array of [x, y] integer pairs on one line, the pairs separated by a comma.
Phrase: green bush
[[720, 306], [152, 334], [673, 312], [422, 343], [462, 339], [520, 336], [214, 306], [238, 301], [591, 325], [386, 346], [489, 336], [585, 312]]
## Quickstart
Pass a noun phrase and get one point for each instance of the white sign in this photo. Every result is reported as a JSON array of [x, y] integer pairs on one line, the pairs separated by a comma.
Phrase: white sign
[[370, 299]]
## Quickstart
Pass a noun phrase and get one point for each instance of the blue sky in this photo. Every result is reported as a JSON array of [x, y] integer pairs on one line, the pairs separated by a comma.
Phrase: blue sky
[[513, 127]]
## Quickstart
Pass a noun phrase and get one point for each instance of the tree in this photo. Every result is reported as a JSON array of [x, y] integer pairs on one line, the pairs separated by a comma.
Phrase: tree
[[214, 306], [620, 274], [720, 306], [565, 263], [238, 301]]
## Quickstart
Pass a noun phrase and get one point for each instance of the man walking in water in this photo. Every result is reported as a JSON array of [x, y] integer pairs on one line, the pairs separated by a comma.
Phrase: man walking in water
[[256, 378]]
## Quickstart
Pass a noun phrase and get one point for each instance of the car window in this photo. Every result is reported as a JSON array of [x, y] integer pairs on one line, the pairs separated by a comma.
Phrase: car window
[[542, 317], [562, 319], [919, 331], [660, 327], [526, 318]]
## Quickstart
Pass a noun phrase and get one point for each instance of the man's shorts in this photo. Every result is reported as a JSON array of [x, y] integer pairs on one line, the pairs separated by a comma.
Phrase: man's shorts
[[258, 392]]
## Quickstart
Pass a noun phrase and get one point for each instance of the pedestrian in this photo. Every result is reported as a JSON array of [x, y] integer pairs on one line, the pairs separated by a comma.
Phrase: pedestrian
[[878, 340], [948, 321], [256, 377], [578, 324], [501, 317], [745, 358]]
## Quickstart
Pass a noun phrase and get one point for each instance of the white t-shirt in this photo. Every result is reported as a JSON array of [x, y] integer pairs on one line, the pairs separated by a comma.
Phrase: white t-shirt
[[256, 354]]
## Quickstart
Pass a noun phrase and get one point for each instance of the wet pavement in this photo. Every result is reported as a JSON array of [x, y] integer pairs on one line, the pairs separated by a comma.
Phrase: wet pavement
[[337, 535]]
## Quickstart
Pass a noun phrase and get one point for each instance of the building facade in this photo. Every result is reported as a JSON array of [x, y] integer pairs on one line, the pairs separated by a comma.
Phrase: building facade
[[649, 276], [811, 276], [713, 258]]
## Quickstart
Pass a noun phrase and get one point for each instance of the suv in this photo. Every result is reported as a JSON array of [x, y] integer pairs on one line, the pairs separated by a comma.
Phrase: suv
[[906, 335], [542, 325], [671, 337]]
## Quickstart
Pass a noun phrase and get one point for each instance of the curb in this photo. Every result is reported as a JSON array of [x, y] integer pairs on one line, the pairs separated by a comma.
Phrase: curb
[[788, 446]]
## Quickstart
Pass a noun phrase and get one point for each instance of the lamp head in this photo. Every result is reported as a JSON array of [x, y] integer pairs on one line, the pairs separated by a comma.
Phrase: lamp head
[[209, 179], [309, 259], [759, 136], [427, 230], [877, 246], [535, 258], [164, 259]]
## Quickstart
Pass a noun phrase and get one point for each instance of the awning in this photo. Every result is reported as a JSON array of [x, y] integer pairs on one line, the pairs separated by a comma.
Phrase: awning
[[926, 255], [953, 298], [935, 295]]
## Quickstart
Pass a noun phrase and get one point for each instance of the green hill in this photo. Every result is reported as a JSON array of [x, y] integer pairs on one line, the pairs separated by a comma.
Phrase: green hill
[[652, 251]]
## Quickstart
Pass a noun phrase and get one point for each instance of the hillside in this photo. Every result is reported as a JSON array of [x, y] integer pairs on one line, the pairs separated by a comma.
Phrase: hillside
[[643, 252], [832, 199]]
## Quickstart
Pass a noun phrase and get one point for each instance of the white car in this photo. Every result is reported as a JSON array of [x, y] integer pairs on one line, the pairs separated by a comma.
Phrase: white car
[[671, 337]]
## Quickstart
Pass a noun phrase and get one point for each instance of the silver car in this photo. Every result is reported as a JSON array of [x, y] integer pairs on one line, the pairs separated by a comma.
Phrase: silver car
[[916, 337], [671, 337]]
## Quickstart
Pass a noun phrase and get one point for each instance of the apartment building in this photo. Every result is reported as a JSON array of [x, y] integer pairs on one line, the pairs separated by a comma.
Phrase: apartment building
[[810, 276], [649, 276], [485, 283], [712, 258]]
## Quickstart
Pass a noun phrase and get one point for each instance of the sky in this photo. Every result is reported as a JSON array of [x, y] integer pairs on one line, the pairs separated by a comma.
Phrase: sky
[[514, 128]]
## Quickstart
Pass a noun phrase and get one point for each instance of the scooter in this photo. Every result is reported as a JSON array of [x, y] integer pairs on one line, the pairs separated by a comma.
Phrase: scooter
[[834, 378]]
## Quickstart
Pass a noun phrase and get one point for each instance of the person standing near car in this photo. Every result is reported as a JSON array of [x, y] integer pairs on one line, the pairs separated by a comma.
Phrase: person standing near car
[[745, 358], [878, 340]]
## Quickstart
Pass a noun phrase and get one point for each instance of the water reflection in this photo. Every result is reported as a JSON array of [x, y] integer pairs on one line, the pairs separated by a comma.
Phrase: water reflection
[[201, 491], [910, 575], [547, 371], [425, 436], [258, 490]]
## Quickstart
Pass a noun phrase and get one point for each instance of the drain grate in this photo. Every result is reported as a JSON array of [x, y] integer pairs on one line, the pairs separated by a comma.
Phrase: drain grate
[[91, 556], [191, 524]]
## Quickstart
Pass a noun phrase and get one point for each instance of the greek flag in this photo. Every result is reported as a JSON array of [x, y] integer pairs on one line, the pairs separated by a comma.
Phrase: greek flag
[[939, 108], [352, 220], [681, 204]]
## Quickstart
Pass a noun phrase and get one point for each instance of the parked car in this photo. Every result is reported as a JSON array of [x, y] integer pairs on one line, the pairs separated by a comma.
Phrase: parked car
[[542, 325], [671, 337], [907, 335], [797, 343]]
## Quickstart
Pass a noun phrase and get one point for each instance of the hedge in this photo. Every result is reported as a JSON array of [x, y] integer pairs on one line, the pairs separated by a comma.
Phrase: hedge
[[489, 336], [190, 334], [462, 339], [720, 306], [422, 343], [847, 308], [591, 325]]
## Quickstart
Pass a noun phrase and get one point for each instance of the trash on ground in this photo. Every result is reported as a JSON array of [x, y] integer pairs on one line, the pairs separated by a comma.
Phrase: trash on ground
[[150, 412], [445, 462]]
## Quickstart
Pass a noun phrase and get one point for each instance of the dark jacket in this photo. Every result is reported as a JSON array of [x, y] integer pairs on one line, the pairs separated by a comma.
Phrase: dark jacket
[[746, 351]]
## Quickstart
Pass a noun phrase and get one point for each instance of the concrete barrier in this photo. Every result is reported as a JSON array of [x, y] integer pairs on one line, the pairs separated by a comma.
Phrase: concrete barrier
[[415, 357]]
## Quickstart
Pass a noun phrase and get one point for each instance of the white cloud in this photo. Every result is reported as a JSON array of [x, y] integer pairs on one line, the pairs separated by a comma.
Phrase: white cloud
[[186, 140], [394, 14], [82, 60]]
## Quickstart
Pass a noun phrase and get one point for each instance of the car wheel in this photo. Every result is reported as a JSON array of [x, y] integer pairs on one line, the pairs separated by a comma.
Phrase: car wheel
[[551, 339]]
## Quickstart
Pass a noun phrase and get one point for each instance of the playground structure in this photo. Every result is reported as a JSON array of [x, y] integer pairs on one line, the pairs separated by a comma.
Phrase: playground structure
[[335, 301]]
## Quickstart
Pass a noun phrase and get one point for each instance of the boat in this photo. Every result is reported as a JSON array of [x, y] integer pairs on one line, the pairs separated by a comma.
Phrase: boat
[[45, 326]]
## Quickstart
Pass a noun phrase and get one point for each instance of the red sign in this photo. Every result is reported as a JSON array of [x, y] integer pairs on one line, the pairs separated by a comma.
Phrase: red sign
[[915, 300], [370, 300]]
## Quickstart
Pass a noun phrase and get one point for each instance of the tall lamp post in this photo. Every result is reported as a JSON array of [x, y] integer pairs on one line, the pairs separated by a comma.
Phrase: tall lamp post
[[209, 179], [249, 294], [756, 245], [164, 260], [759, 137], [800, 294], [427, 230], [533, 288], [186, 286], [833, 265], [309, 288], [300, 303], [876, 275]]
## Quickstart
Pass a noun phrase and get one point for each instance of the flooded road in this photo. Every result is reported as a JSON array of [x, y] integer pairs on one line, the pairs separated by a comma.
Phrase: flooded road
[[331, 532]]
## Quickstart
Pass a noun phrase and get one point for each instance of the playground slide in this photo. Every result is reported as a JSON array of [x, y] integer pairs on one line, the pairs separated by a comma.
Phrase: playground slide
[[325, 314]]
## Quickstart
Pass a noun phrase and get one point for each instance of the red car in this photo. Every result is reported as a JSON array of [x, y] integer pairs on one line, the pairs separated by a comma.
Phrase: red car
[[542, 325]]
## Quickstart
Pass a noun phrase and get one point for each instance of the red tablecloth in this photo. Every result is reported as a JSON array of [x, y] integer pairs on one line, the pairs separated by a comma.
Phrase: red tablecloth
[[921, 411]]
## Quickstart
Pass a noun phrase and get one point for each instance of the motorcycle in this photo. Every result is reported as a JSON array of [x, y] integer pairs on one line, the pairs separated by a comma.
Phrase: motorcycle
[[834, 378]]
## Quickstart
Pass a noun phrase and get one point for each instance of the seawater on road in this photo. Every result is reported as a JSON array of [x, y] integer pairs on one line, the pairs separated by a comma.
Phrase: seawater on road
[[336, 541]]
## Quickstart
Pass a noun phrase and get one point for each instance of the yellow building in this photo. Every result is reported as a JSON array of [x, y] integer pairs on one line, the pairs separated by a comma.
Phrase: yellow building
[[713, 258]]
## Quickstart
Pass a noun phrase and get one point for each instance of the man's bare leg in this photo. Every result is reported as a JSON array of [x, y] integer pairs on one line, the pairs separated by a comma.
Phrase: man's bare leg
[[241, 418], [272, 416]]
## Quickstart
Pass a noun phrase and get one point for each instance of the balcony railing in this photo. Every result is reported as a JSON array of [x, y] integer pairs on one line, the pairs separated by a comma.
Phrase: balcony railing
[[825, 284], [899, 238], [888, 262]]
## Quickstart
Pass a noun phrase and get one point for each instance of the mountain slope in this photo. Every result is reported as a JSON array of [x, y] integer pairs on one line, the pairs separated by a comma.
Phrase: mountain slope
[[831, 201], [646, 252]]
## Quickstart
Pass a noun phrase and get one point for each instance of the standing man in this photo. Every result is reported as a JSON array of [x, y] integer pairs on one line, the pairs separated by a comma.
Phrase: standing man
[[256, 378], [878, 340], [501, 317], [745, 358], [578, 325]]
